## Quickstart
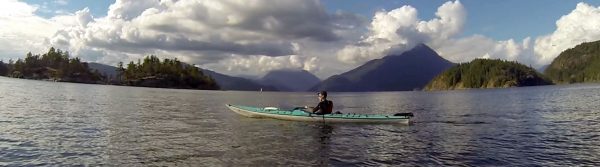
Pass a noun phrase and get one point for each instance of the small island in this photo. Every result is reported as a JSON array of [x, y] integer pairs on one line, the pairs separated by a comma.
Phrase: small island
[[56, 65], [486, 73], [164, 74], [576, 65]]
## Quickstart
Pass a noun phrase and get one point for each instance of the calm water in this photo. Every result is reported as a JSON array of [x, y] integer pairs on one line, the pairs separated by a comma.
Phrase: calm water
[[58, 124]]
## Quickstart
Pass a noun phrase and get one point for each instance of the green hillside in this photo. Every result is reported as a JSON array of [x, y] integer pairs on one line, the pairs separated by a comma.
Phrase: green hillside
[[578, 64], [485, 73]]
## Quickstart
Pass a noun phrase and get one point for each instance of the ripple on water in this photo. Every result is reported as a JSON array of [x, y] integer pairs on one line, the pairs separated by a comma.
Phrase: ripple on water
[[61, 124]]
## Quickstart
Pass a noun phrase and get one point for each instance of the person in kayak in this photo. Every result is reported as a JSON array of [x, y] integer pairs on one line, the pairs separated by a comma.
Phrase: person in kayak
[[324, 107]]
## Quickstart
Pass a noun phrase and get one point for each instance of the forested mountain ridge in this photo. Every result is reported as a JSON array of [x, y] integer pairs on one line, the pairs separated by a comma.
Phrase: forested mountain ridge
[[578, 64], [486, 73]]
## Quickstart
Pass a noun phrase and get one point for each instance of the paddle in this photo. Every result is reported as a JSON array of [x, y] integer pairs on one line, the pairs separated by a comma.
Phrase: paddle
[[303, 109], [299, 108], [406, 114]]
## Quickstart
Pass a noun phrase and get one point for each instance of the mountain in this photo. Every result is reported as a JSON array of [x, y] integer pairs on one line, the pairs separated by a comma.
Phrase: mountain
[[224, 81], [411, 70], [543, 68], [578, 64], [236, 83], [485, 73], [290, 80], [106, 70]]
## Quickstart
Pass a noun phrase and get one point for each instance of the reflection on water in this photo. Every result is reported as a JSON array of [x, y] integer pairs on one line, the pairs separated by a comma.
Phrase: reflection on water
[[324, 143], [64, 124]]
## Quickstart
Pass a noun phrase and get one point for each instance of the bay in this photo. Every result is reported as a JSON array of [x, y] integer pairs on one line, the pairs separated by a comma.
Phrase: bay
[[65, 124]]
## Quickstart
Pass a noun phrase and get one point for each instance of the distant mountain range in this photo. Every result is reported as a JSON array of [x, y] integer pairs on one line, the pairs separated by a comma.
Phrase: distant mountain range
[[106, 70], [411, 70], [226, 82], [237, 83], [277, 80], [542, 68], [290, 80]]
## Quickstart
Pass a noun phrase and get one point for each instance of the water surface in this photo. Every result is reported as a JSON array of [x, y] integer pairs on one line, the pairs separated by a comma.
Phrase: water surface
[[60, 124]]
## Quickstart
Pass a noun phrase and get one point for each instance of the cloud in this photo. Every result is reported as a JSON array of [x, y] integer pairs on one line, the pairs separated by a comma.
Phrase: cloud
[[129, 9], [400, 29], [252, 37], [211, 30], [61, 2], [581, 25], [255, 28], [22, 31], [262, 64], [478, 46]]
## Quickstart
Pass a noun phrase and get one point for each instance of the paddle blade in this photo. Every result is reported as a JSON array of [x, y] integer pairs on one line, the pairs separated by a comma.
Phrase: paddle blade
[[298, 108], [407, 114]]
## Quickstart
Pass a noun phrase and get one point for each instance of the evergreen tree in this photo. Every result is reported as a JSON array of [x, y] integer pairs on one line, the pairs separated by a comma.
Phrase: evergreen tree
[[3, 68], [578, 64], [55, 64], [484, 73], [167, 73]]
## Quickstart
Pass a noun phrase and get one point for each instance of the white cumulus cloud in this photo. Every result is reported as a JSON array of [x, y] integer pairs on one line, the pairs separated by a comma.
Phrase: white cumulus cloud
[[581, 25], [400, 29], [252, 37], [207, 31], [21, 30], [262, 64]]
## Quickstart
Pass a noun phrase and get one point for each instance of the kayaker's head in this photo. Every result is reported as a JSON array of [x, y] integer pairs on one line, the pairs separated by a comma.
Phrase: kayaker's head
[[322, 95]]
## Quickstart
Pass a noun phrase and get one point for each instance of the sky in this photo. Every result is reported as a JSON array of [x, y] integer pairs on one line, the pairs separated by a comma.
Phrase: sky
[[326, 37]]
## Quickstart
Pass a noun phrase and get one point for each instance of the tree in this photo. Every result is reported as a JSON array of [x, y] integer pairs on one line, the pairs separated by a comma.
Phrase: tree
[[120, 71], [484, 73], [578, 64], [3, 68], [55, 64], [169, 73]]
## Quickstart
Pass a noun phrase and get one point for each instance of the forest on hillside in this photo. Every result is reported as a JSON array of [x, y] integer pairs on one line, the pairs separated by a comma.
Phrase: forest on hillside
[[578, 64], [57, 65], [486, 73], [152, 72], [54, 65]]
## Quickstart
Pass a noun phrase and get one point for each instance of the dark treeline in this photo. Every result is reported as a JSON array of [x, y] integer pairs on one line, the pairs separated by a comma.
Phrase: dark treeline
[[57, 65], [167, 73], [53, 65], [578, 64], [3, 68], [484, 73]]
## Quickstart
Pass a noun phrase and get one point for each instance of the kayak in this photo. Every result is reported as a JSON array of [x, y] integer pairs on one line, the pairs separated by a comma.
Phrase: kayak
[[298, 114]]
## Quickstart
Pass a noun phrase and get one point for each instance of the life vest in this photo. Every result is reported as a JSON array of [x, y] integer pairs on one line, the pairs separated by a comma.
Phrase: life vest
[[329, 109]]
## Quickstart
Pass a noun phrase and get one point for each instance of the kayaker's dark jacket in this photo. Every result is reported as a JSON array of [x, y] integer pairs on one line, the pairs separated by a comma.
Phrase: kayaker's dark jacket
[[324, 107]]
